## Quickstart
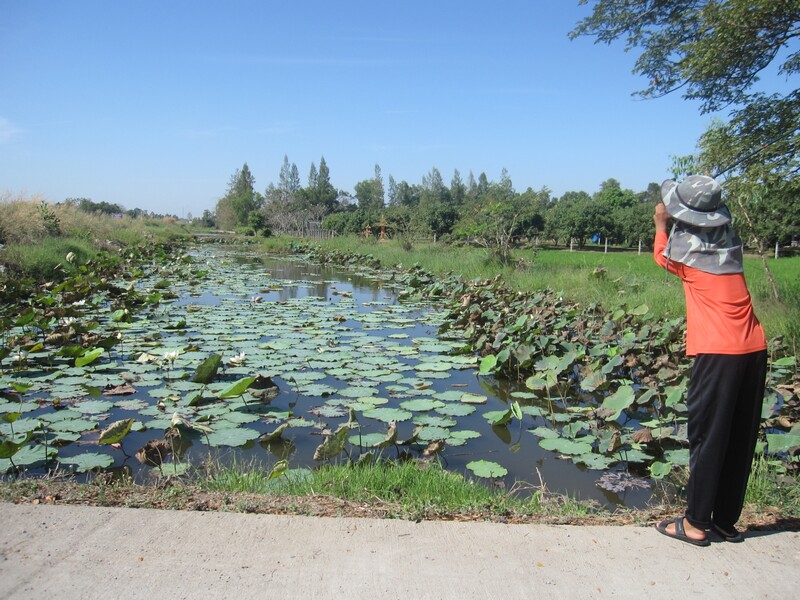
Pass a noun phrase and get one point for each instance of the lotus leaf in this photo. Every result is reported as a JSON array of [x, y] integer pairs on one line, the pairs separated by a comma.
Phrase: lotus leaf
[[116, 431], [421, 404], [367, 440], [544, 433], [487, 469], [635, 455], [782, 442], [74, 425], [132, 405], [88, 461], [94, 407], [487, 364], [565, 446], [456, 410], [358, 392], [449, 396], [28, 457], [170, 469], [388, 414], [434, 421], [594, 461], [333, 445], [470, 398], [659, 470], [88, 357], [678, 457], [462, 434], [237, 388], [12, 444], [234, 436], [619, 401], [274, 435], [237, 418], [429, 434], [60, 415], [439, 370], [23, 425], [498, 417]]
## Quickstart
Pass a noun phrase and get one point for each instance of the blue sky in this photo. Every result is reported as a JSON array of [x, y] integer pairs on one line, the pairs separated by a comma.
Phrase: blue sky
[[156, 104]]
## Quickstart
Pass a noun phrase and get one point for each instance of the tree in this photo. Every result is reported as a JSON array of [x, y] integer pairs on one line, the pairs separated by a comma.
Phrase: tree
[[577, 216], [380, 194], [320, 192], [313, 177], [714, 52], [458, 191], [392, 192], [241, 199], [367, 199], [289, 178], [208, 219], [435, 211], [499, 219]]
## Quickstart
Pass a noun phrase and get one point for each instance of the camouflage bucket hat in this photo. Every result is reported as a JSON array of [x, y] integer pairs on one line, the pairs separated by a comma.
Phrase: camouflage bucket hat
[[697, 200]]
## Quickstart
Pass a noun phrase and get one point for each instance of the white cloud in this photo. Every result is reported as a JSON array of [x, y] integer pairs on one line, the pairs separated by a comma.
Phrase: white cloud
[[8, 131]]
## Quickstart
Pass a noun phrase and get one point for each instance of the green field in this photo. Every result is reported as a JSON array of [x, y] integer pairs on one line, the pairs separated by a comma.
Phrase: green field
[[592, 276]]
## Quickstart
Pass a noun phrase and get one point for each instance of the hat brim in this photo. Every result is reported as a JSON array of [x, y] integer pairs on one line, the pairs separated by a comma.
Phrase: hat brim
[[680, 212]]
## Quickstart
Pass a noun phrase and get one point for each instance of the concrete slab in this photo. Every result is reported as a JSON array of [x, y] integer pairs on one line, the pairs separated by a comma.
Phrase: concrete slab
[[71, 552]]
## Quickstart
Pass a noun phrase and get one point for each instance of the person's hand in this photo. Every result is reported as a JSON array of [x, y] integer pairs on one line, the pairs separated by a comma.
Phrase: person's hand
[[661, 217]]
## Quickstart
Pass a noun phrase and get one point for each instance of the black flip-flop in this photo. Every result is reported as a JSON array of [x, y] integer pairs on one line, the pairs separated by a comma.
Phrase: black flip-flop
[[680, 532], [734, 537]]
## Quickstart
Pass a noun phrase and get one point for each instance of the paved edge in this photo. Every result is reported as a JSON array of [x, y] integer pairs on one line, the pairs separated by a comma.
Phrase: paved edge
[[94, 552]]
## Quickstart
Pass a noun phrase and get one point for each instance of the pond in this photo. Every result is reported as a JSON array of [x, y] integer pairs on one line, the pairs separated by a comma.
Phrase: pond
[[327, 346]]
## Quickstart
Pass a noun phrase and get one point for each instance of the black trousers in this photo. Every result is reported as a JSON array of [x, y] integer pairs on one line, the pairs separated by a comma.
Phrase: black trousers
[[726, 392]]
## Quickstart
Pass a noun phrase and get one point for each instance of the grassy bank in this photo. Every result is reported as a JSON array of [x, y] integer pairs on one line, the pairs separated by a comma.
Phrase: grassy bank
[[591, 276], [407, 490], [36, 236]]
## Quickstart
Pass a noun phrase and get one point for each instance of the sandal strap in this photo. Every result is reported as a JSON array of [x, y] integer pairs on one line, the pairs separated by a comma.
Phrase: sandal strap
[[679, 526]]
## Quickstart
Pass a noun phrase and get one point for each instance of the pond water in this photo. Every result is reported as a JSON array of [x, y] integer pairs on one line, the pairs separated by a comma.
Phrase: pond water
[[331, 340]]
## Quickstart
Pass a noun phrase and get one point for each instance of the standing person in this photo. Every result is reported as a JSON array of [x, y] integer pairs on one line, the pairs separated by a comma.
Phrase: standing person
[[726, 387]]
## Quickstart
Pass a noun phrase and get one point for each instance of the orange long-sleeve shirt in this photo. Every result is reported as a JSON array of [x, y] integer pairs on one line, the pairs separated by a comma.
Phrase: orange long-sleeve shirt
[[719, 311]]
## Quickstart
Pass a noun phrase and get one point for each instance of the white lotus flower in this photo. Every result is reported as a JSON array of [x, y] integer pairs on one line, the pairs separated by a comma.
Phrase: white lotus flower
[[19, 356], [236, 360], [171, 356]]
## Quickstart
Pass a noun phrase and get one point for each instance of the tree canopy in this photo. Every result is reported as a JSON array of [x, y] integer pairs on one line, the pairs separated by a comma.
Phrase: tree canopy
[[715, 52]]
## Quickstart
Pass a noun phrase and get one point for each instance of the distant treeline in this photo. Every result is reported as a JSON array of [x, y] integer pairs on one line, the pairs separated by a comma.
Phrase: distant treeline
[[472, 210]]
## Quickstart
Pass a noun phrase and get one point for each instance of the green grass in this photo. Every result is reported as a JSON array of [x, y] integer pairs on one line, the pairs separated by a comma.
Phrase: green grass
[[415, 490], [40, 260], [43, 258], [594, 277], [770, 486], [407, 489]]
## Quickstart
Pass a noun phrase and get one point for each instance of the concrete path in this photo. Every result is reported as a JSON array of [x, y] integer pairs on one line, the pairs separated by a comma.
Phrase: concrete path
[[68, 552]]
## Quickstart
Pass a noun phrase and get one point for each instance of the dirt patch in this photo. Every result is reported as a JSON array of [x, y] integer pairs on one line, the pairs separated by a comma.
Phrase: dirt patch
[[179, 496]]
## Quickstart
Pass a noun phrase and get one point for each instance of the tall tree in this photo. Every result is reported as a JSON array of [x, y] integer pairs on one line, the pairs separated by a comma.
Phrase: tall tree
[[241, 199], [326, 194], [458, 191], [380, 193], [392, 192], [313, 177]]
